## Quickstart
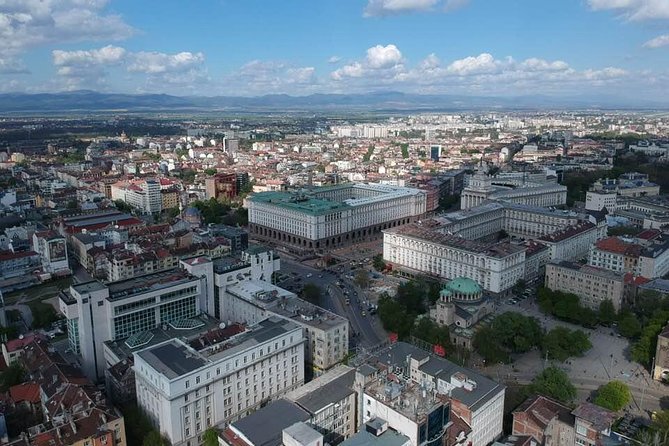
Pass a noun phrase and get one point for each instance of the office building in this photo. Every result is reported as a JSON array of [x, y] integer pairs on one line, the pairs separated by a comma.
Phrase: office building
[[186, 388], [417, 249], [52, 249], [593, 285], [327, 333], [329, 217], [481, 188], [98, 312]]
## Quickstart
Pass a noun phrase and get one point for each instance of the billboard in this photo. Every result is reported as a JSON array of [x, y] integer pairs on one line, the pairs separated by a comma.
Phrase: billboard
[[57, 250]]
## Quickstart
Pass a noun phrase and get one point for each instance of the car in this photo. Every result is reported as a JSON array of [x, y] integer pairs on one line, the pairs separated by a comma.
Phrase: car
[[320, 276], [348, 301], [364, 313], [309, 275]]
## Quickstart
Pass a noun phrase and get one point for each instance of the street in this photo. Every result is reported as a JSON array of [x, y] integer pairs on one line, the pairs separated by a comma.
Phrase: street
[[333, 298]]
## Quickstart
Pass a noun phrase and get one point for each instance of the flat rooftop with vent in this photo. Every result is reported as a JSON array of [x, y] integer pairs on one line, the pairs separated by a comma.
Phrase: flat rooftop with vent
[[284, 303], [178, 357]]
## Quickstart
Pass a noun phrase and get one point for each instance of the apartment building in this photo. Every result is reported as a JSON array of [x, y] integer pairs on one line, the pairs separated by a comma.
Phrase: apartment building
[[649, 260], [98, 312], [593, 285], [144, 195], [187, 388], [331, 401]]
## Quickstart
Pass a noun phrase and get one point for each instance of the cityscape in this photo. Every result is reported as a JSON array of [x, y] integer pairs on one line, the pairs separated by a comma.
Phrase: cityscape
[[220, 236]]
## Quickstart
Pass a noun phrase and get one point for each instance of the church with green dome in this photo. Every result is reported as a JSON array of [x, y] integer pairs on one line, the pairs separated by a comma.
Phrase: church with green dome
[[461, 305]]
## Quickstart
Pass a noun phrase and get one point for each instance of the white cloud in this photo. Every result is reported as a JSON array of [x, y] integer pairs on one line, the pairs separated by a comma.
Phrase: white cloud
[[104, 56], [381, 8], [483, 63], [334, 59], [480, 74], [263, 77], [634, 9], [29, 23], [657, 42], [380, 56], [381, 60], [389, 7], [156, 63]]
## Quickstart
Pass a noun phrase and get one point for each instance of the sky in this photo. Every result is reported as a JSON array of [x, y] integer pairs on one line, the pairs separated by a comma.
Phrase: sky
[[566, 48]]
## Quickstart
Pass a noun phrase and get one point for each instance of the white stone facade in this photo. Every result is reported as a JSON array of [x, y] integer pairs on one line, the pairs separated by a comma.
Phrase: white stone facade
[[184, 392]]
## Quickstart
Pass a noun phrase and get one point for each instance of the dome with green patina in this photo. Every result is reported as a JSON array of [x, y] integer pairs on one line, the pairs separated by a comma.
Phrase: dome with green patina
[[462, 289]]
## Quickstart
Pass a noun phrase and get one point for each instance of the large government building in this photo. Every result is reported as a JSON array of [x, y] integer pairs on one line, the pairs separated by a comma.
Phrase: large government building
[[324, 218], [465, 243], [483, 187]]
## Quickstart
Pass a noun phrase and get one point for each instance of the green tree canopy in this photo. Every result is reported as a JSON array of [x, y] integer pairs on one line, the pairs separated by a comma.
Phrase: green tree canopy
[[560, 343], [153, 438], [613, 396], [554, 383], [515, 332], [607, 312], [210, 437], [14, 374], [311, 293], [629, 325], [378, 262]]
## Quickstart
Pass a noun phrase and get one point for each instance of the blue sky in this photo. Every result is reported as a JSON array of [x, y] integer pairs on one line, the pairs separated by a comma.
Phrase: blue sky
[[254, 47]]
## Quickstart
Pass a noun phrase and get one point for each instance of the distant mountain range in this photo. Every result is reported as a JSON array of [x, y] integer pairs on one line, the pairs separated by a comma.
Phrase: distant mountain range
[[91, 101]]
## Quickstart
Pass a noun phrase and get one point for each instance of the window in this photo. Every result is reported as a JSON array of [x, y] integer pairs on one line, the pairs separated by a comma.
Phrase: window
[[187, 384]]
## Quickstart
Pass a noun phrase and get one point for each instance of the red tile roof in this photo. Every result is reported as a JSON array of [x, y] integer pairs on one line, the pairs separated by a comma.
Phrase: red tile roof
[[29, 392], [618, 246], [18, 344]]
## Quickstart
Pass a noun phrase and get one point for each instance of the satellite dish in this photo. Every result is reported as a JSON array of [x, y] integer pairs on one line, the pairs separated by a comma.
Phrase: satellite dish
[[221, 325]]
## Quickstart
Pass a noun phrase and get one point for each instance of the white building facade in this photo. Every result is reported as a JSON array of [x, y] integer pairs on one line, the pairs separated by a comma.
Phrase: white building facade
[[185, 391], [334, 216]]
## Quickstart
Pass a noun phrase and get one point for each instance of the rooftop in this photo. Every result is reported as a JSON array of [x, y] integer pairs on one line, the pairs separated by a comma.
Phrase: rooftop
[[175, 358], [285, 303], [149, 282], [265, 426], [388, 438], [601, 419], [329, 388], [568, 232], [592, 270], [398, 354], [419, 232]]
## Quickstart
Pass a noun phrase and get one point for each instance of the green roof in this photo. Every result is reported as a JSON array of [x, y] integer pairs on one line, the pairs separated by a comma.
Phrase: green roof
[[462, 285], [300, 202]]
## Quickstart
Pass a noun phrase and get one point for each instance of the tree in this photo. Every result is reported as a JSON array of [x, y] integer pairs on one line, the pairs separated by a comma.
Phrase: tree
[[560, 343], [554, 383], [311, 293], [607, 312], [14, 374], [210, 437], [210, 171], [378, 262], [661, 424], [613, 396], [395, 317], [490, 351], [362, 278], [628, 325], [405, 150], [432, 333], [122, 206], [153, 438], [515, 332]]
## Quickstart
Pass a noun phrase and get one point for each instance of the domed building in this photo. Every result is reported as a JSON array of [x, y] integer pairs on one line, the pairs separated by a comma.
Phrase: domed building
[[461, 304], [192, 216]]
